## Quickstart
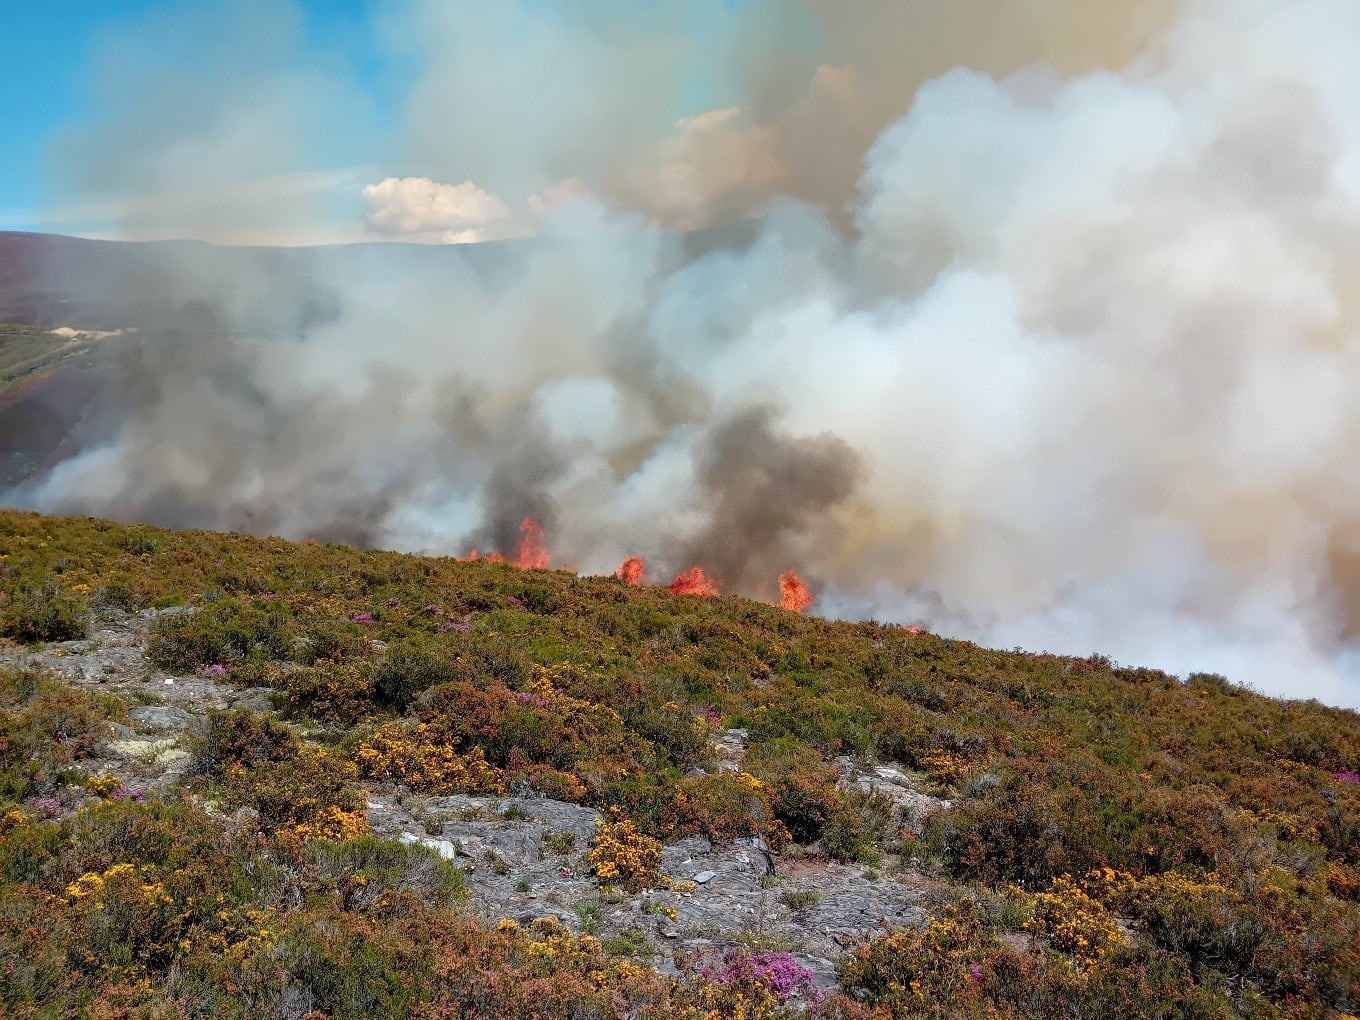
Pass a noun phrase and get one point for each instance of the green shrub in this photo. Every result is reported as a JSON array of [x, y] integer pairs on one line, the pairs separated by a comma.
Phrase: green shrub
[[224, 632], [241, 737], [34, 613], [117, 594], [312, 789], [331, 641], [335, 693], [804, 786], [405, 672], [350, 975], [45, 725], [676, 731], [385, 865], [862, 823]]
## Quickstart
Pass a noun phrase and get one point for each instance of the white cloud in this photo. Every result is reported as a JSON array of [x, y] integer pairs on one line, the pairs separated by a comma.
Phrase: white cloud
[[419, 205]]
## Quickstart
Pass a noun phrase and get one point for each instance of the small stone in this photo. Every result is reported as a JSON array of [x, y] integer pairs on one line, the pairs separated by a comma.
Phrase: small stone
[[470, 846], [442, 847], [704, 877], [169, 682]]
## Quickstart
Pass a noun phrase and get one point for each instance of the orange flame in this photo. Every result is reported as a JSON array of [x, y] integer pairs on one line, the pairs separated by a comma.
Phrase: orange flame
[[695, 582], [632, 570], [793, 592], [533, 554]]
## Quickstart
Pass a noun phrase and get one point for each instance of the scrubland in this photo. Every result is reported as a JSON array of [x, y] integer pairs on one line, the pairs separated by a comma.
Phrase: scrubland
[[1111, 841]]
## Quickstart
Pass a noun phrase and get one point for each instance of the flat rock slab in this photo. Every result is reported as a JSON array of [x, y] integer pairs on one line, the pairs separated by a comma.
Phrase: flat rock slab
[[898, 785], [160, 717], [729, 747]]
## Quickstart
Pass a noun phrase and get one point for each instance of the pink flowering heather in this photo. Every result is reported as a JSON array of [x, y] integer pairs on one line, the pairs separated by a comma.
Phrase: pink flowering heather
[[1346, 776], [363, 618], [215, 672], [975, 972], [779, 972], [133, 793], [47, 807], [462, 626]]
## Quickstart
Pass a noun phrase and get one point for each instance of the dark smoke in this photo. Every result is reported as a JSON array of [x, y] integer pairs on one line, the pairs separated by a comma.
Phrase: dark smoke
[[773, 499]]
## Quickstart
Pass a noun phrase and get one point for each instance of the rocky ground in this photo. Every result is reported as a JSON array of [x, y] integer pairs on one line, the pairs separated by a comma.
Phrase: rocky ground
[[524, 857]]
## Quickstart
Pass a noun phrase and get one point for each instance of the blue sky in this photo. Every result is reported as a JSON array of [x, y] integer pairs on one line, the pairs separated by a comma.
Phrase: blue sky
[[64, 71], [45, 80]]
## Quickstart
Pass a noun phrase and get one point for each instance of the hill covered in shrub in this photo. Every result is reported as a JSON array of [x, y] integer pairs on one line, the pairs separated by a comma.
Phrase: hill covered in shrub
[[1112, 841]]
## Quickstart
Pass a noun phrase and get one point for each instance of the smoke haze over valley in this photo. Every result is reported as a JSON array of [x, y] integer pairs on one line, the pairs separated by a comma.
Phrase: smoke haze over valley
[[1033, 324]]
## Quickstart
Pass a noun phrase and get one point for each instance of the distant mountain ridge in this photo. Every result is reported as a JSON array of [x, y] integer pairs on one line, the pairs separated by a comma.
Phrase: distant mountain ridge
[[58, 280]]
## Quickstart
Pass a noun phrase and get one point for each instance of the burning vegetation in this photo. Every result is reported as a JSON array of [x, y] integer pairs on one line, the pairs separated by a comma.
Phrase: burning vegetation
[[632, 570], [794, 594], [532, 554]]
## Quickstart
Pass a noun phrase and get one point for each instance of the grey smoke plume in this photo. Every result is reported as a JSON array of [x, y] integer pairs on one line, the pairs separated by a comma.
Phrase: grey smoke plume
[[1049, 335], [770, 499]]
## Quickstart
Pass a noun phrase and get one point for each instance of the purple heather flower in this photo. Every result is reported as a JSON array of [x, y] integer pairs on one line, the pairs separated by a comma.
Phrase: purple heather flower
[[779, 972], [1346, 776], [133, 793], [516, 602], [363, 618], [215, 671], [48, 807], [975, 972]]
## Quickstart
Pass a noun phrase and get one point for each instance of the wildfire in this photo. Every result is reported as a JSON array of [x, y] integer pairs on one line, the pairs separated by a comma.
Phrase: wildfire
[[532, 555], [793, 592], [632, 570], [695, 582]]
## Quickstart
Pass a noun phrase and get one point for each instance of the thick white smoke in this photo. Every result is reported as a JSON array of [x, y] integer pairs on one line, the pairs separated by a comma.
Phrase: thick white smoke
[[1077, 365]]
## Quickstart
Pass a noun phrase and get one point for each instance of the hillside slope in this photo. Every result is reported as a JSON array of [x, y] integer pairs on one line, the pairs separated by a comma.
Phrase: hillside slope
[[266, 779]]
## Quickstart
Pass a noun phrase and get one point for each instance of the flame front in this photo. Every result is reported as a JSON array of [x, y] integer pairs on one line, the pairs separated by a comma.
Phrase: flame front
[[631, 571], [695, 582], [533, 554], [793, 592]]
